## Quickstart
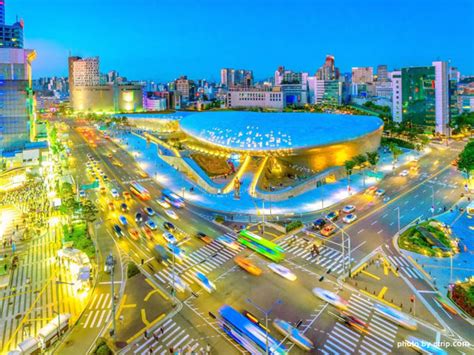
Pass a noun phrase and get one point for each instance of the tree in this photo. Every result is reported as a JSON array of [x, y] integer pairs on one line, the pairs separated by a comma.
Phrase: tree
[[89, 211], [396, 152], [373, 158], [466, 159], [359, 160], [349, 165]]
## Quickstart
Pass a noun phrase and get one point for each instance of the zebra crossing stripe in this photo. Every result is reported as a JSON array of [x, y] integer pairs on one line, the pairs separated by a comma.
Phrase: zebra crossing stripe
[[376, 344]]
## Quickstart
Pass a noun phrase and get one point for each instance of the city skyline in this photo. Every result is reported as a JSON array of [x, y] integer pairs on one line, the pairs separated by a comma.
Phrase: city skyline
[[177, 47]]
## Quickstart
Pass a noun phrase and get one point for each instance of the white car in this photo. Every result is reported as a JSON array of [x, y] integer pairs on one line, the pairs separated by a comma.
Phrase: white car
[[380, 192], [171, 214], [348, 209], [163, 203], [178, 284], [228, 242], [114, 193], [351, 217], [403, 173], [170, 238], [331, 298], [282, 271], [82, 194]]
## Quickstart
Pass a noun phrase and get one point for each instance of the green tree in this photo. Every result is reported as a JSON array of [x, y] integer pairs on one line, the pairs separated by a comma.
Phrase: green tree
[[89, 211], [349, 165], [466, 159], [373, 158], [359, 160], [395, 150]]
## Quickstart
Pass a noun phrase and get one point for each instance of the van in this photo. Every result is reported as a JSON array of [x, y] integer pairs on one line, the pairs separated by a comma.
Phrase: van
[[160, 253]]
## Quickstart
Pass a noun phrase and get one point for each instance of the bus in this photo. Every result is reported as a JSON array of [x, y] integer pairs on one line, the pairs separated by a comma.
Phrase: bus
[[139, 191], [172, 198], [268, 249], [249, 335]]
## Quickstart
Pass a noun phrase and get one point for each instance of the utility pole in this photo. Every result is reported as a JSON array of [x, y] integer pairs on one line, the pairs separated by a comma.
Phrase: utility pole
[[110, 262], [266, 313], [398, 219]]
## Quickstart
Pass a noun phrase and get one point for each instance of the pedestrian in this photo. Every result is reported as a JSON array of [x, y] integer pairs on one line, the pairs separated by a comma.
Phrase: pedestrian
[[171, 350], [150, 350], [162, 331], [146, 334], [208, 349], [156, 337]]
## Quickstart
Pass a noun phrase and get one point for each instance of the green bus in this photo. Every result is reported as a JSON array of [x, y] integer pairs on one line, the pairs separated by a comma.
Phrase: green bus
[[268, 249]]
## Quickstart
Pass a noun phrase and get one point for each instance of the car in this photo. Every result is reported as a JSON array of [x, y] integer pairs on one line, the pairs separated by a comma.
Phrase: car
[[292, 333], [348, 209], [170, 238], [175, 251], [123, 220], [228, 242], [169, 226], [331, 298], [332, 216], [103, 190], [105, 178], [114, 193], [149, 211], [403, 173], [205, 238], [124, 207], [319, 223], [142, 174], [126, 195], [248, 266], [109, 155], [380, 192], [371, 190], [82, 194], [171, 214], [351, 217], [109, 262], [134, 234], [163, 203], [148, 233], [102, 174], [178, 283], [150, 224], [328, 230], [111, 205], [396, 316], [282, 271], [118, 231], [205, 283], [138, 217], [354, 322]]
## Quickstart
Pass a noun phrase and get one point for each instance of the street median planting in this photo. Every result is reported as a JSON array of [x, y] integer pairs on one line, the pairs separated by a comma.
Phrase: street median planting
[[430, 238], [463, 295], [293, 225], [76, 232]]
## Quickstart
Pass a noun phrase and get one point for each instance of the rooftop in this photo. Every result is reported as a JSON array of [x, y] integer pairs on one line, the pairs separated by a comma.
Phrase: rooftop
[[272, 131]]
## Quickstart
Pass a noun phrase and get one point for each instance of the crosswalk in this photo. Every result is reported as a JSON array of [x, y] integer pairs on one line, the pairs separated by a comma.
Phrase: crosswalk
[[328, 258], [99, 311], [169, 336], [205, 259], [405, 267], [379, 339]]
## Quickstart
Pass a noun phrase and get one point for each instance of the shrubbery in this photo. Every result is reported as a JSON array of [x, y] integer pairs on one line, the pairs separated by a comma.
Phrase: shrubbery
[[399, 142], [77, 233], [132, 270], [293, 225], [463, 295]]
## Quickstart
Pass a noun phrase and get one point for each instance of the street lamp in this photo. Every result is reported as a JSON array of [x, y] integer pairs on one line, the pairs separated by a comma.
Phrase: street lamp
[[110, 263], [432, 199], [398, 219], [343, 247], [266, 313]]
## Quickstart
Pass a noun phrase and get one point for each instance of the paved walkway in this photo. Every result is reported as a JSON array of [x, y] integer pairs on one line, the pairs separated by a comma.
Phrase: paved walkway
[[309, 201]]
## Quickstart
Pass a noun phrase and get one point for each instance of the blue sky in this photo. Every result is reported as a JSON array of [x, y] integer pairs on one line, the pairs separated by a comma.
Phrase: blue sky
[[162, 39]]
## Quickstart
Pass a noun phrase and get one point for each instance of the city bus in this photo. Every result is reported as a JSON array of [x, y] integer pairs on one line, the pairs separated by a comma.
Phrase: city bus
[[173, 199], [249, 335], [268, 249], [139, 191]]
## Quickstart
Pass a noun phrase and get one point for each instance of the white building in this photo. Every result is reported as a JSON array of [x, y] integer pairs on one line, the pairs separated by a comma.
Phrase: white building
[[441, 96], [86, 72], [255, 98], [362, 75], [396, 78]]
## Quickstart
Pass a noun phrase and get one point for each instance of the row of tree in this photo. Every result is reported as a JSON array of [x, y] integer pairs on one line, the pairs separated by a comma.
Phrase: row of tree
[[360, 161], [466, 159]]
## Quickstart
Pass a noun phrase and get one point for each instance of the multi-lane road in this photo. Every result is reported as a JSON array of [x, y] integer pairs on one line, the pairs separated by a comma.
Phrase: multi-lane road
[[408, 197]]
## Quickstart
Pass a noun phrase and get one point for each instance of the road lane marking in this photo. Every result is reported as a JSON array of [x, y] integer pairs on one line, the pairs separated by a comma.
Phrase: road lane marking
[[382, 292], [360, 231], [385, 215], [374, 222], [380, 231]]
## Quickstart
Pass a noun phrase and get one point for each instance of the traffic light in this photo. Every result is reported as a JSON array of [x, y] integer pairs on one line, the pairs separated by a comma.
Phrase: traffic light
[[299, 323]]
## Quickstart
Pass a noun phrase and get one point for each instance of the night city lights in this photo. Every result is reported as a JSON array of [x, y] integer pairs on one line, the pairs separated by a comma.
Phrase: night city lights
[[241, 177]]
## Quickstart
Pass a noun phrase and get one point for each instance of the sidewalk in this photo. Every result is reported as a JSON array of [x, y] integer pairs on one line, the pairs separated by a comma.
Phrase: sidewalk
[[309, 201]]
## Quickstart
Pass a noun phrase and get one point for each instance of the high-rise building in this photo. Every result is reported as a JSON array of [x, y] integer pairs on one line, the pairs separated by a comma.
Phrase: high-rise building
[[11, 36], [185, 88], [85, 72], [236, 77], [396, 80], [425, 96], [382, 72], [328, 71], [16, 98], [362, 75]]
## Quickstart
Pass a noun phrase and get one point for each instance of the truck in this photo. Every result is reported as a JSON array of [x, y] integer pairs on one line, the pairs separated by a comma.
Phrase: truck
[[26, 347], [49, 333]]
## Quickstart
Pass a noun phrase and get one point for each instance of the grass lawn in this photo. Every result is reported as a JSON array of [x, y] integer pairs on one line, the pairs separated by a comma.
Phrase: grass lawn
[[77, 233]]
